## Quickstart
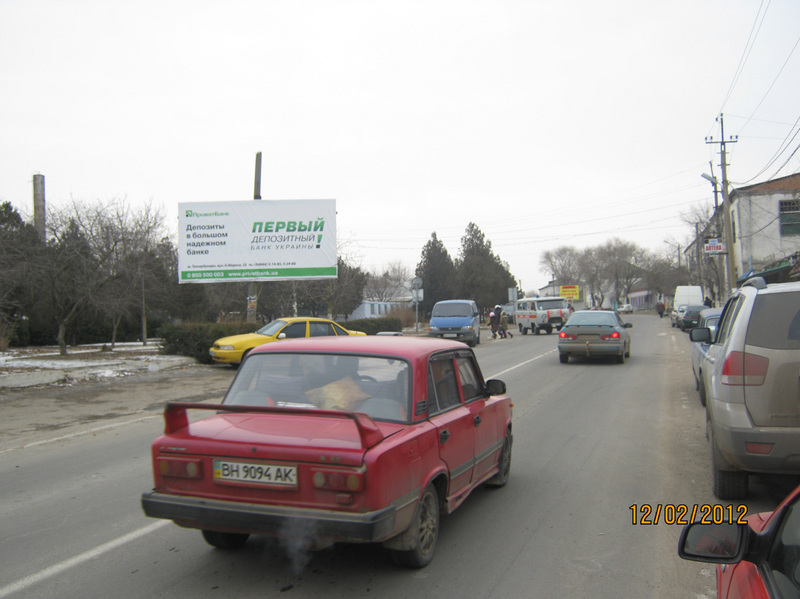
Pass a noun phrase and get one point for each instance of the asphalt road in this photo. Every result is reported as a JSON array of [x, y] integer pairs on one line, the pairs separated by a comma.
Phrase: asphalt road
[[593, 443]]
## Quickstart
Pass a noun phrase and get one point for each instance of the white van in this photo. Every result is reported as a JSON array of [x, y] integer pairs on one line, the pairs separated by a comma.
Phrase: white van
[[688, 295], [685, 295], [541, 314]]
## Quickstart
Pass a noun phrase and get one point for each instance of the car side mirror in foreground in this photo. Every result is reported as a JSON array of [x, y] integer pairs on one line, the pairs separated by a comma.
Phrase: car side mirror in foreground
[[700, 334], [628, 325], [495, 387], [724, 543]]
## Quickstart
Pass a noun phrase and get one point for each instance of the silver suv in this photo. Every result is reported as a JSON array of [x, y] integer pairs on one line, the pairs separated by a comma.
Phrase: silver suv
[[751, 381]]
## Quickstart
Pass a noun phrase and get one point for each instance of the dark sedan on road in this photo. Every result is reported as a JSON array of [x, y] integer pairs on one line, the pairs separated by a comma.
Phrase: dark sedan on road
[[594, 333], [690, 317]]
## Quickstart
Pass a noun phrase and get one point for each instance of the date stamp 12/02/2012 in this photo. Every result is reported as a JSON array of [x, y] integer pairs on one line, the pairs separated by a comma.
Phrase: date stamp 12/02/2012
[[649, 514]]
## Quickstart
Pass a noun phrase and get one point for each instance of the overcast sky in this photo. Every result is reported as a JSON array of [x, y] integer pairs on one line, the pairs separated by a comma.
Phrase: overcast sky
[[544, 123]]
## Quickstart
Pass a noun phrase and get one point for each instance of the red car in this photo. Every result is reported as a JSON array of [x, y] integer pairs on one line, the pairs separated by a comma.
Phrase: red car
[[757, 560], [329, 439]]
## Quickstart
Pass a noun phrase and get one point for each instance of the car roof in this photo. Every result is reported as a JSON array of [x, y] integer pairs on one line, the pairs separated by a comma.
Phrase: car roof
[[708, 312], [599, 315], [781, 287], [384, 345], [296, 318]]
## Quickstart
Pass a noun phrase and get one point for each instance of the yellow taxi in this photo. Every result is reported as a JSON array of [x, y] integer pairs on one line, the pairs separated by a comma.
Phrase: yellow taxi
[[232, 350]]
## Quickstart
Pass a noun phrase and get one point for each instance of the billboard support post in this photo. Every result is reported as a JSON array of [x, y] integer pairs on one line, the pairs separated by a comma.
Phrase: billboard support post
[[252, 290]]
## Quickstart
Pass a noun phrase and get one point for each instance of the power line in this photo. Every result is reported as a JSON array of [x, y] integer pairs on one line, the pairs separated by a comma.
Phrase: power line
[[748, 47], [785, 62]]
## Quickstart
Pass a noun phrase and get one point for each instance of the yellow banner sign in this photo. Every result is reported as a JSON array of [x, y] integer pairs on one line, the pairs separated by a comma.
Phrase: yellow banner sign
[[570, 291]]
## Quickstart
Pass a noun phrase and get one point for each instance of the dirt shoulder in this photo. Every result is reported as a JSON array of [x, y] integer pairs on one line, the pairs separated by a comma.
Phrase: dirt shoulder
[[35, 413]]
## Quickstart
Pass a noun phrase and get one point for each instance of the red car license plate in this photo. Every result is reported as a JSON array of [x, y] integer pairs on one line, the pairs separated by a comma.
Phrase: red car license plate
[[262, 474]]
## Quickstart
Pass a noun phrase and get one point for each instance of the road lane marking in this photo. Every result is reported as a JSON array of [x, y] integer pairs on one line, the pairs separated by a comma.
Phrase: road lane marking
[[55, 569], [510, 368], [79, 433]]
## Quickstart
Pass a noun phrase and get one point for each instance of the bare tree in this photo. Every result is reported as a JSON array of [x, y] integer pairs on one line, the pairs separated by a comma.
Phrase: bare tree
[[389, 283], [130, 238], [563, 263]]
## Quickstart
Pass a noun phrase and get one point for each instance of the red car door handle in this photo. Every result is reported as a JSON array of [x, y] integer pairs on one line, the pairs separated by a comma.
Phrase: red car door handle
[[444, 436]]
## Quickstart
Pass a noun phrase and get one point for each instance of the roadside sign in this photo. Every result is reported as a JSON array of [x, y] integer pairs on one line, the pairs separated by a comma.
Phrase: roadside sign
[[572, 292], [714, 246]]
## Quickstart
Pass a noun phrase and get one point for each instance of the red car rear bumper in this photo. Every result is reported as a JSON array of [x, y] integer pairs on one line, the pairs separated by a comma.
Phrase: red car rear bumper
[[273, 520]]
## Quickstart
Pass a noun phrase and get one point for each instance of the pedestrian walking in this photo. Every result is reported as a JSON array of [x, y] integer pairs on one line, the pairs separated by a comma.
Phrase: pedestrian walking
[[504, 332], [494, 323]]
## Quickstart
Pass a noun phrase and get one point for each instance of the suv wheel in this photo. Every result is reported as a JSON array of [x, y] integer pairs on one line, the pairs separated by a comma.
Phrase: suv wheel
[[728, 484]]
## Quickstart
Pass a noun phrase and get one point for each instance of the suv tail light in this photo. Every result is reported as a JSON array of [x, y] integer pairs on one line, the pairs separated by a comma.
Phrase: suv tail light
[[743, 369]]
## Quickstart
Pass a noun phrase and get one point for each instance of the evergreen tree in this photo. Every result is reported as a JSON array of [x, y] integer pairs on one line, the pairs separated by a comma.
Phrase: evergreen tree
[[437, 271], [481, 275]]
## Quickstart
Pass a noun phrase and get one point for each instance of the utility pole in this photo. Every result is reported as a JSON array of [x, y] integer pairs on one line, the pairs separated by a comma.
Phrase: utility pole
[[726, 207], [252, 290], [698, 254], [39, 210]]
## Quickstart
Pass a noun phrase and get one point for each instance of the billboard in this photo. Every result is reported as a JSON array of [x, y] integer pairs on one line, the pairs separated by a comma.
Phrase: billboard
[[256, 240], [569, 291]]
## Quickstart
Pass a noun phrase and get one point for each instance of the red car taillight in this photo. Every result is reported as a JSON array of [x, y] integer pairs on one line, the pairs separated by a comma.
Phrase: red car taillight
[[743, 369], [567, 336], [180, 467], [333, 480], [614, 335]]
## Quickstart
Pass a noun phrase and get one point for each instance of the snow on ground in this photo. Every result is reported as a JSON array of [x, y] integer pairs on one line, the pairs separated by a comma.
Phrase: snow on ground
[[25, 367]]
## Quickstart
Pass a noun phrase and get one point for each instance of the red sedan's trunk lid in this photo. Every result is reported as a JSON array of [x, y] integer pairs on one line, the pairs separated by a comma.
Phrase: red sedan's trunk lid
[[274, 433]]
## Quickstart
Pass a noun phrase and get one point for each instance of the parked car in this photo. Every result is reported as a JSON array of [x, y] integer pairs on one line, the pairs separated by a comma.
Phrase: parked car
[[709, 319], [232, 350], [750, 380], [336, 439], [594, 333], [676, 315], [626, 309], [759, 559], [691, 316]]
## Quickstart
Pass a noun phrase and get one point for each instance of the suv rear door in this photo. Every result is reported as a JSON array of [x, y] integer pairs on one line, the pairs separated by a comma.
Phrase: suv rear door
[[772, 345]]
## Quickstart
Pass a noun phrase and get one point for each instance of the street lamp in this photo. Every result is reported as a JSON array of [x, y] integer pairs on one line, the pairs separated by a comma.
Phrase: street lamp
[[713, 180]]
